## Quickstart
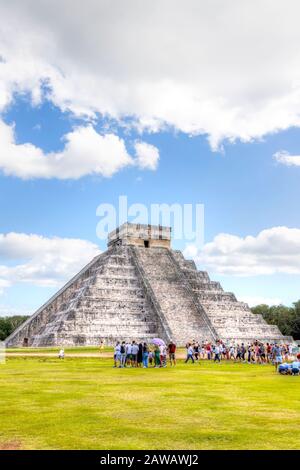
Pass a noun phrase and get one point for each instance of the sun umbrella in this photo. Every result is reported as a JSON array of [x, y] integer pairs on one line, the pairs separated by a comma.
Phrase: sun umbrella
[[158, 342]]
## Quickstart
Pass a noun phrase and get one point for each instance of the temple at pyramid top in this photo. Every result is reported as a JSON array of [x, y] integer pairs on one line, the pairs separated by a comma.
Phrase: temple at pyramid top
[[147, 236]]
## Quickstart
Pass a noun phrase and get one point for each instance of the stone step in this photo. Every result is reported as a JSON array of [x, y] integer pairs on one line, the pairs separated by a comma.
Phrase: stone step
[[175, 301], [216, 297]]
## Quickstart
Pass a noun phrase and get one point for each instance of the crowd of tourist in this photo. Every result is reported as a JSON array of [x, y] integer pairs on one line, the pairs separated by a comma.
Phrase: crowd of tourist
[[253, 353], [133, 354]]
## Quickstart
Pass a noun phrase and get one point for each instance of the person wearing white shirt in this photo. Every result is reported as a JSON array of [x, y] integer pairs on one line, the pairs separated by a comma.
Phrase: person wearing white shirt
[[61, 354], [189, 353], [134, 353], [128, 353], [117, 353]]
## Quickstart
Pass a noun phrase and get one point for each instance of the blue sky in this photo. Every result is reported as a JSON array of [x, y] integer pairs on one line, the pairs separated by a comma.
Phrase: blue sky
[[244, 168]]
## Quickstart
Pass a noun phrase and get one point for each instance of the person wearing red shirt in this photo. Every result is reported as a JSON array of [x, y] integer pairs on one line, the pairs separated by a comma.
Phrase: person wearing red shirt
[[172, 355]]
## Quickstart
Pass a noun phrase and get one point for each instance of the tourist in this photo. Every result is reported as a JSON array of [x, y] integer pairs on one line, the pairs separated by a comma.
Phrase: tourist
[[157, 356], [285, 352], [117, 353], [61, 354], [227, 353], [208, 351], [221, 347], [262, 352], [128, 353], [256, 350], [123, 354], [196, 351], [268, 352], [134, 354], [163, 355], [145, 355], [238, 356], [140, 355], [285, 368], [251, 354], [216, 351], [172, 353], [295, 367], [258, 354], [189, 353], [243, 352], [277, 355], [151, 358]]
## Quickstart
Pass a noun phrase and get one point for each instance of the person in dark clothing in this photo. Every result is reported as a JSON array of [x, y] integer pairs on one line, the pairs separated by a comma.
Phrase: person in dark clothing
[[196, 351], [243, 352], [140, 355]]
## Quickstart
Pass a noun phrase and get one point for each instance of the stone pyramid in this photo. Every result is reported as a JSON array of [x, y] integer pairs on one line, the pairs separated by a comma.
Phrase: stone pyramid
[[140, 289]]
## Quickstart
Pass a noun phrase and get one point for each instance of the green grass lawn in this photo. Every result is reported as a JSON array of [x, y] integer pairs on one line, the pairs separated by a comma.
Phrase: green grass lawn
[[83, 403]]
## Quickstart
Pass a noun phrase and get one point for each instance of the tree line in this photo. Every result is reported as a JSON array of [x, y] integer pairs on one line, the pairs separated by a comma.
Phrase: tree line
[[9, 324], [286, 318]]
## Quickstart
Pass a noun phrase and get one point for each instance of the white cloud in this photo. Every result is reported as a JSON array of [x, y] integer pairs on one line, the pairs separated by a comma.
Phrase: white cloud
[[8, 310], [282, 156], [226, 69], [42, 261], [85, 152], [252, 301], [274, 250], [3, 284], [147, 155]]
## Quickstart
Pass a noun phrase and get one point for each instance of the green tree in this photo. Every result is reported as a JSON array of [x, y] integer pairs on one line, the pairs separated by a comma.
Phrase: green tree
[[9, 324], [296, 320]]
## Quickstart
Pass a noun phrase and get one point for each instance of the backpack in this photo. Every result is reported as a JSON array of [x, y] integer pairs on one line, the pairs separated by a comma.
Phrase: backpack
[[122, 349]]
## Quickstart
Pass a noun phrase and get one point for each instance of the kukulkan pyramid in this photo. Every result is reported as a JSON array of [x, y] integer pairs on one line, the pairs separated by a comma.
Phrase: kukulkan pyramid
[[140, 288]]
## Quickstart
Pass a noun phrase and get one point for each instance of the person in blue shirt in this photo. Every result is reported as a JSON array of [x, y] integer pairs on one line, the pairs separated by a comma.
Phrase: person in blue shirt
[[284, 368], [277, 355], [295, 367]]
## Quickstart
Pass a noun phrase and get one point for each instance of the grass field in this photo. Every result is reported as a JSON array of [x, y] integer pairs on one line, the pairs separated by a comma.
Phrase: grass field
[[83, 403]]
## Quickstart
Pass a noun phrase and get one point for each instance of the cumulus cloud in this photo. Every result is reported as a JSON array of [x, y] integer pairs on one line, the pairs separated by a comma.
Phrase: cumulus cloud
[[3, 284], [85, 152], [282, 156], [147, 155], [40, 260], [194, 66], [274, 250]]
